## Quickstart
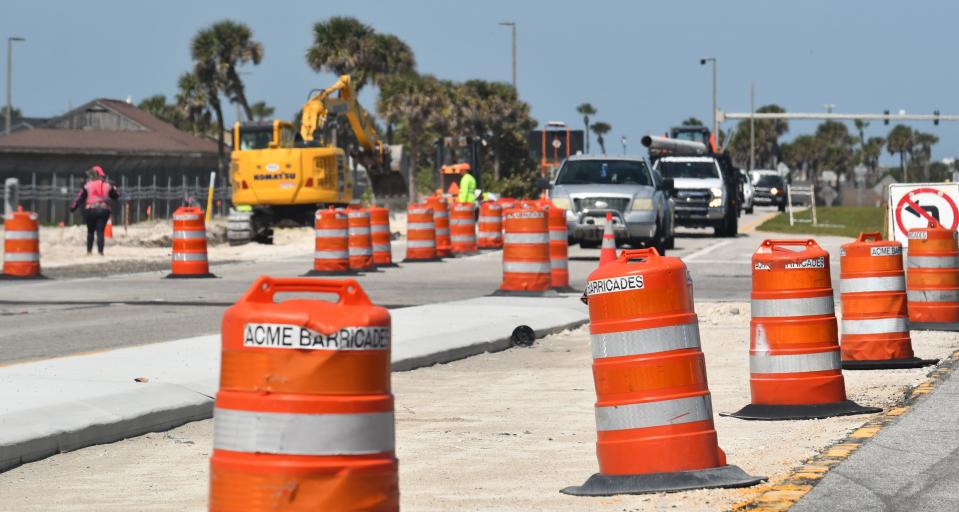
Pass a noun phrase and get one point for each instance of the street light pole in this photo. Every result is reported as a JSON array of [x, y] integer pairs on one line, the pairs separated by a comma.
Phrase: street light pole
[[9, 112], [702, 62], [512, 26], [752, 125], [622, 139]]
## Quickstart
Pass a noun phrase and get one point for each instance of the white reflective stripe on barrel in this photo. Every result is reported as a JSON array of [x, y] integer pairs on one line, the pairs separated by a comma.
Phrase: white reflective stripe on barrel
[[763, 362], [331, 255], [461, 222], [872, 284], [443, 231], [876, 325], [440, 214], [490, 234], [21, 235], [379, 228], [950, 261], [189, 235], [303, 434], [189, 256], [190, 216], [330, 233], [21, 256], [526, 267], [526, 238], [654, 414], [420, 244], [933, 295], [381, 248], [359, 231], [645, 341], [414, 226], [557, 236], [491, 220], [793, 307], [463, 238], [359, 215], [420, 211], [360, 251], [558, 263]]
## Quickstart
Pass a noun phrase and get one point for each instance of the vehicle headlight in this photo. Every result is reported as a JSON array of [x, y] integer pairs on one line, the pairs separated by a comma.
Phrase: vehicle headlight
[[717, 199], [716, 192], [774, 191], [642, 204], [561, 202]]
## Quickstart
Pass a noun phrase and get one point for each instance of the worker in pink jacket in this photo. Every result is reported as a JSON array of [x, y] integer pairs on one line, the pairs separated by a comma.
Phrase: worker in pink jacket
[[95, 197]]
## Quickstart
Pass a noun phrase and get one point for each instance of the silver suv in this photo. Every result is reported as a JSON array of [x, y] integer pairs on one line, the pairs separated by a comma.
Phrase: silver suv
[[637, 198]]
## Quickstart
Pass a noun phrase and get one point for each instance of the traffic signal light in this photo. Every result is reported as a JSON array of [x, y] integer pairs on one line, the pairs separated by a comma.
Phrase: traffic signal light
[[885, 120], [935, 118]]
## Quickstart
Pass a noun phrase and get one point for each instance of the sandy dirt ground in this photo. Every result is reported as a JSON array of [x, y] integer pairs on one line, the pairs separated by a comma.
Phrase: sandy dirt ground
[[502, 431]]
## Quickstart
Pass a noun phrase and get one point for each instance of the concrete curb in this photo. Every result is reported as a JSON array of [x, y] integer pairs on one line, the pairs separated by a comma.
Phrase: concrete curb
[[63, 404]]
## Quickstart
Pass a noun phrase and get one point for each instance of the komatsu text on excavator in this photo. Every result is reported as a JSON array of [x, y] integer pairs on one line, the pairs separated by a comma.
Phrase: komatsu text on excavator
[[279, 175]]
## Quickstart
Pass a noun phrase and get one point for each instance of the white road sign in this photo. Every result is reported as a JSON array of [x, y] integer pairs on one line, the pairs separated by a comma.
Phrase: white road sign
[[914, 205]]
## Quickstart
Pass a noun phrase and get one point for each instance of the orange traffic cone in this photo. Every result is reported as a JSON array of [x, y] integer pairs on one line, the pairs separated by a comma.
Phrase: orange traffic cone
[[607, 252], [108, 232]]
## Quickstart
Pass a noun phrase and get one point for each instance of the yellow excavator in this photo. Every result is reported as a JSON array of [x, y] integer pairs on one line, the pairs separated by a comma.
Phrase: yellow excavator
[[281, 176]]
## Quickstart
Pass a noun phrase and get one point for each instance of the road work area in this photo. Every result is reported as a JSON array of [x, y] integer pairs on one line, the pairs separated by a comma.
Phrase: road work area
[[497, 431]]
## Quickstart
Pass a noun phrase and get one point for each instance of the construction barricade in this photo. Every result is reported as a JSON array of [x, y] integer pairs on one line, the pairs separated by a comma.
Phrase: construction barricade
[[189, 244], [331, 251], [932, 278], [654, 416], [420, 234], [360, 243], [303, 419], [489, 233], [441, 224], [463, 229], [526, 268], [794, 360], [21, 246], [875, 321], [558, 249], [380, 237]]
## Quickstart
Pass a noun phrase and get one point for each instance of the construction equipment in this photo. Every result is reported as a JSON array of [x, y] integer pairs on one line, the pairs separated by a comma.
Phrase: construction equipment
[[454, 157], [279, 175]]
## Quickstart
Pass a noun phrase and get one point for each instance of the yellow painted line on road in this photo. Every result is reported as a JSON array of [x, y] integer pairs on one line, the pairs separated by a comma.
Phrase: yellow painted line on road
[[784, 494], [749, 228]]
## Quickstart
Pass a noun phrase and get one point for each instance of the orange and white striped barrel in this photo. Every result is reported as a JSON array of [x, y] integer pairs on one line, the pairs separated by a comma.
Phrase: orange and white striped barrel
[[653, 409], [303, 418], [360, 243], [558, 248], [526, 266], [932, 278], [21, 245], [794, 359], [875, 320], [508, 203], [331, 251], [189, 244], [463, 228], [489, 232], [420, 233], [441, 222], [380, 236]]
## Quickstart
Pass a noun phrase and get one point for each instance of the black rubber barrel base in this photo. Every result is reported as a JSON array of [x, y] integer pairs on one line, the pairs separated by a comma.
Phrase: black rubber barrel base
[[386, 265], [190, 276], [11, 277], [566, 289], [800, 412], [712, 478], [427, 260], [321, 273], [888, 364], [934, 326], [524, 293]]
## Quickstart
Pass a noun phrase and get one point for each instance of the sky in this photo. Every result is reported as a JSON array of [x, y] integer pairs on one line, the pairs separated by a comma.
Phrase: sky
[[636, 62]]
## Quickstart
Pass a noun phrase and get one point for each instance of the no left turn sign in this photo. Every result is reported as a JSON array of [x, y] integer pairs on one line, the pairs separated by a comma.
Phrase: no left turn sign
[[914, 205]]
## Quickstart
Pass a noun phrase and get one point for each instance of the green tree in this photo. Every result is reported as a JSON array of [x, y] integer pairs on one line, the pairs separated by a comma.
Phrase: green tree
[[344, 45], [900, 140], [835, 147], [802, 153], [767, 134], [586, 110], [871, 151], [261, 111], [692, 121], [157, 106], [861, 128], [600, 129], [922, 149]]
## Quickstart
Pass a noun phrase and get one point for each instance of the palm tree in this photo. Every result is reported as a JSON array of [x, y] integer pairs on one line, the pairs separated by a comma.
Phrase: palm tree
[[600, 128], [586, 110], [261, 111], [345, 46], [900, 140], [692, 121], [923, 150], [193, 103]]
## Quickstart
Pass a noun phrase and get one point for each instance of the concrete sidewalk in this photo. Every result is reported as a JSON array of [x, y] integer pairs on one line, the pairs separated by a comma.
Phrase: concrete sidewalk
[[63, 404]]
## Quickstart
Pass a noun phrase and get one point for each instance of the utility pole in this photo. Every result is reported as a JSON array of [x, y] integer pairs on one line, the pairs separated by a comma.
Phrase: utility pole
[[752, 125], [622, 139], [512, 26], [702, 62], [10, 41]]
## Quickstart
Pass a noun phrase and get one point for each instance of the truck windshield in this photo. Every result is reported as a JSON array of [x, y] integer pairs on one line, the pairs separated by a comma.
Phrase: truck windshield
[[613, 172], [695, 170], [769, 180]]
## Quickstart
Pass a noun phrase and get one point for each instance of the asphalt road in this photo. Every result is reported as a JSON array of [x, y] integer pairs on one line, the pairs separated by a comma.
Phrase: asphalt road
[[40, 319]]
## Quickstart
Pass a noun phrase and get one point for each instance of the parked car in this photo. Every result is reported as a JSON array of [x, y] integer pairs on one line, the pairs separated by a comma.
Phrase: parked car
[[748, 191], [769, 188], [636, 197]]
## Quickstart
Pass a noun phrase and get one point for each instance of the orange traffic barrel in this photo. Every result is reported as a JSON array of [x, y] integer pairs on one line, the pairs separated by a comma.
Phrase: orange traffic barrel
[[303, 419], [794, 360], [489, 232], [331, 251], [654, 415], [607, 251], [360, 243], [380, 237], [526, 267], [875, 321], [463, 229], [932, 278], [189, 244], [441, 223], [508, 203], [558, 249], [21, 246], [420, 233]]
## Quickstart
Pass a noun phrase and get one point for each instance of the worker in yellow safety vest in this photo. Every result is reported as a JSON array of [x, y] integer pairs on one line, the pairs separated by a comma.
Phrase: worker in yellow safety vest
[[467, 187]]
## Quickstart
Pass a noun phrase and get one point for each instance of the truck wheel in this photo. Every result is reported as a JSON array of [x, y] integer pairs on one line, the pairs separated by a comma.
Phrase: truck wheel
[[670, 242], [782, 207], [750, 209]]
